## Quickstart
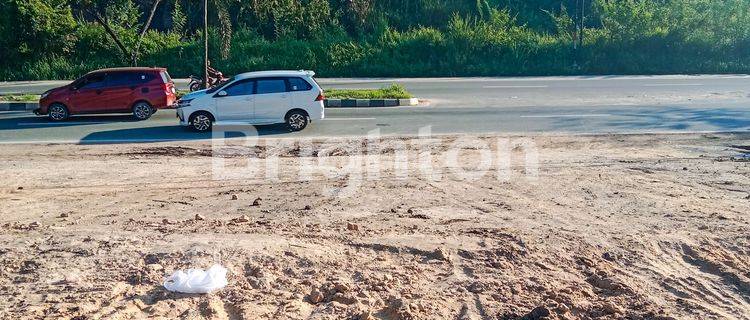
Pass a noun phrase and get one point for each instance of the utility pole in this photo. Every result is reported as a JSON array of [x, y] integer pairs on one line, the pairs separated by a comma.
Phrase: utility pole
[[205, 44], [578, 40], [580, 33]]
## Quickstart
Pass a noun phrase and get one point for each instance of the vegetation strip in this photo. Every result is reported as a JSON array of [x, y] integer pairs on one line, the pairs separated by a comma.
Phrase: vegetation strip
[[63, 39], [19, 98], [393, 91]]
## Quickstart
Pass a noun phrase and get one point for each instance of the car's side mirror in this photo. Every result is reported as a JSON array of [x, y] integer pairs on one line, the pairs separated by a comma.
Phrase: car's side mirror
[[222, 93]]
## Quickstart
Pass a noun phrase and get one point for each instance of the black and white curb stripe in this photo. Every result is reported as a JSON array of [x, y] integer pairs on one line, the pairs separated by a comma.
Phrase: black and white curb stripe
[[18, 106], [329, 103], [369, 103]]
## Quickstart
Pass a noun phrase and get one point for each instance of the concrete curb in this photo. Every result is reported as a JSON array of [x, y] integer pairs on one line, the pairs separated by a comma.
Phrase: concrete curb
[[369, 103], [329, 103], [18, 106]]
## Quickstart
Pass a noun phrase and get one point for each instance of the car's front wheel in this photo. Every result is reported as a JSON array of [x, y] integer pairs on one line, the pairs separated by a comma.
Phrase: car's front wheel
[[297, 120], [142, 111], [57, 112], [201, 121]]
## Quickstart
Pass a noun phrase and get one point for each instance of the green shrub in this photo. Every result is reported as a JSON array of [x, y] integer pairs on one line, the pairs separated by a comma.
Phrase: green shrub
[[393, 91], [387, 38]]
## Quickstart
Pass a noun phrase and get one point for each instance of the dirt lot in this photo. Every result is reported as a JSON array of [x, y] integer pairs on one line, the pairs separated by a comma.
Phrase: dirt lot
[[640, 227]]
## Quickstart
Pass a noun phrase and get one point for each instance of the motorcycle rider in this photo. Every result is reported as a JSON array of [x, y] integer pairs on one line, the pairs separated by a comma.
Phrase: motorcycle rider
[[214, 76]]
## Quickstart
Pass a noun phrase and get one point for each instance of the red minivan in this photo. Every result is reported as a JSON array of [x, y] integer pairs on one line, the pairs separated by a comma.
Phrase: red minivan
[[140, 91]]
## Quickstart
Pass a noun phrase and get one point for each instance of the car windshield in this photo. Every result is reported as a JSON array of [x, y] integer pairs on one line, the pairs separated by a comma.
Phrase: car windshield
[[77, 82], [220, 85]]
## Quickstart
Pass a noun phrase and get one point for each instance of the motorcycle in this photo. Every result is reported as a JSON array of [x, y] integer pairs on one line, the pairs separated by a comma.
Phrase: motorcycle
[[196, 83]]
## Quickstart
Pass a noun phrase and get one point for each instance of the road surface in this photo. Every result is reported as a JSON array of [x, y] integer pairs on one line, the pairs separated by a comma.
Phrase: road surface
[[580, 105]]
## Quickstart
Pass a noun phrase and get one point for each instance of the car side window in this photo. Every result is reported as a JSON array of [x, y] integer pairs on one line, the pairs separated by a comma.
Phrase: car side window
[[142, 77], [299, 84], [240, 88], [118, 79], [270, 85], [94, 81]]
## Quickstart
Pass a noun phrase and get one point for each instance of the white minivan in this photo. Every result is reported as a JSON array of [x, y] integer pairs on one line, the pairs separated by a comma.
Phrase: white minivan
[[257, 98]]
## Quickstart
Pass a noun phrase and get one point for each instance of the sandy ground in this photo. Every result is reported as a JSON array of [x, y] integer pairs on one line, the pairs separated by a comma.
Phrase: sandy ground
[[611, 227]]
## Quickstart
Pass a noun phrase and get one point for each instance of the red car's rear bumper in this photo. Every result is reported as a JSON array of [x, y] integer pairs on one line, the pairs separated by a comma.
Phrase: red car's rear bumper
[[168, 102]]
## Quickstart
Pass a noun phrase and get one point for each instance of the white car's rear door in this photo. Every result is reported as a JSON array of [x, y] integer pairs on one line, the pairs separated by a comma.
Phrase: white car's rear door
[[303, 93], [272, 100]]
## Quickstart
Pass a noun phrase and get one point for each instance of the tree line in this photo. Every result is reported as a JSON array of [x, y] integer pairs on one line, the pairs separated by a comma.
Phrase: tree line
[[62, 39]]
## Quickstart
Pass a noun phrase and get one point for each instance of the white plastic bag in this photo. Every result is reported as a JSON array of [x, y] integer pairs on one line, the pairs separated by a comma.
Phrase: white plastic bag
[[197, 280]]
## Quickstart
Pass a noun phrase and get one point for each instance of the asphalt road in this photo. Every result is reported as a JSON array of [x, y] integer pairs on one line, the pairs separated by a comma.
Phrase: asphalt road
[[581, 105]]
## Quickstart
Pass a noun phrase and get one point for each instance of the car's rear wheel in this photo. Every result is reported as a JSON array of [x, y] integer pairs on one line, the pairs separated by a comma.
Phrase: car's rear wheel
[[142, 111], [297, 120], [58, 112], [201, 121]]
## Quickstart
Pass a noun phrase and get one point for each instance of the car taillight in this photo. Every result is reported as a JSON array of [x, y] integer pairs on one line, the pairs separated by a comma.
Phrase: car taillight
[[320, 97], [168, 89]]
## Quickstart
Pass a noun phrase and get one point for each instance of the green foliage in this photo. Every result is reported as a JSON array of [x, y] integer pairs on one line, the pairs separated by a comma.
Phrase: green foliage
[[277, 19], [565, 27], [19, 97], [30, 28], [123, 13], [392, 91], [383, 38], [179, 19], [630, 20], [483, 9]]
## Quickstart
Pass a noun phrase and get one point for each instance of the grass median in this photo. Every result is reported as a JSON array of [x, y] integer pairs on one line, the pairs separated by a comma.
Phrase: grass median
[[19, 98], [393, 91]]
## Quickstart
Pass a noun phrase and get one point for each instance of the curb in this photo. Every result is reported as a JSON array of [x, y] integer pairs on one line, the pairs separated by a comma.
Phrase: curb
[[329, 103], [369, 103], [18, 106]]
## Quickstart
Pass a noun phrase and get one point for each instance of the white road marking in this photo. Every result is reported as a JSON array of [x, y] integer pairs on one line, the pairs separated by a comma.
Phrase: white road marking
[[344, 81], [68, 141], [673, 85], [346, 119], [567, 116], [66, 123], [515, 87], [71, 123]]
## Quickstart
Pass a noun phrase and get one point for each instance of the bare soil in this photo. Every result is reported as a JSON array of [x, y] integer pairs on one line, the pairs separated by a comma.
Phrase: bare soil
[[611, 227]]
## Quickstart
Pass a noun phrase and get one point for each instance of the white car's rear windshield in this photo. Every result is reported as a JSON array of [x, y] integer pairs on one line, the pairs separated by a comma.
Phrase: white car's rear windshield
[[316, 82]]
